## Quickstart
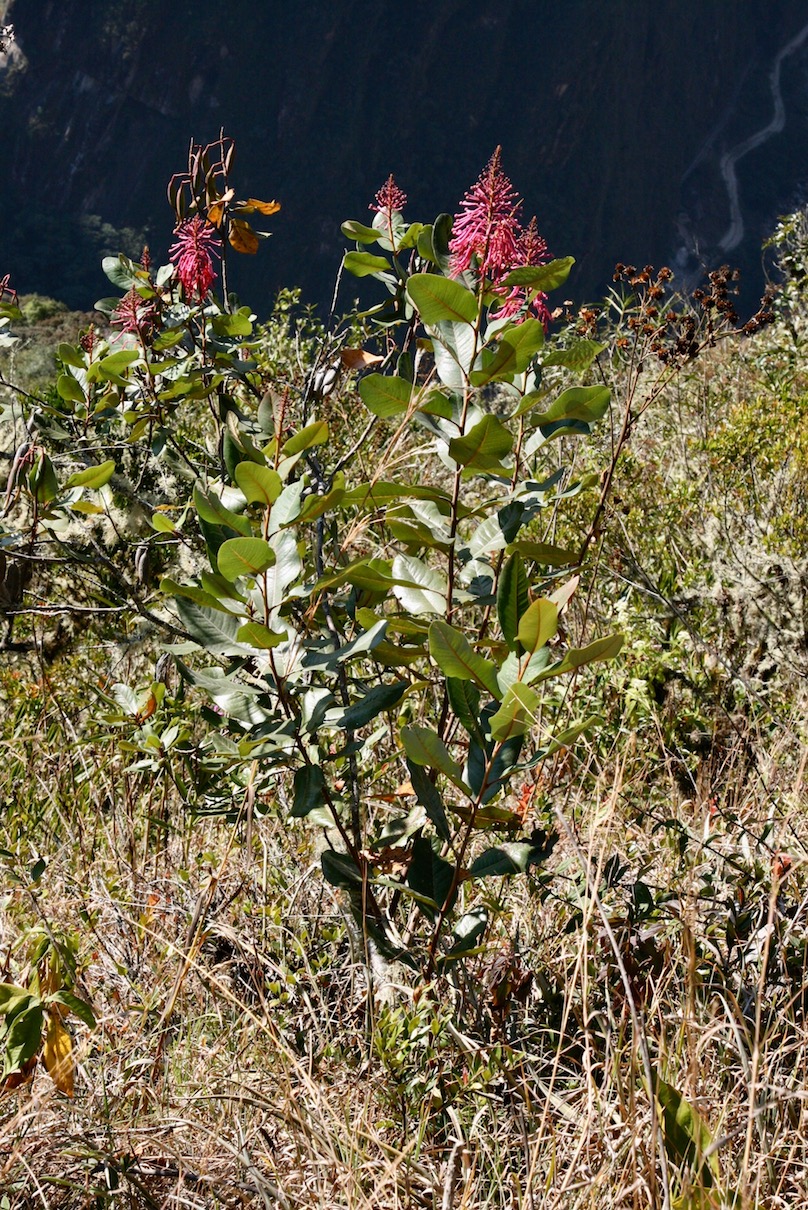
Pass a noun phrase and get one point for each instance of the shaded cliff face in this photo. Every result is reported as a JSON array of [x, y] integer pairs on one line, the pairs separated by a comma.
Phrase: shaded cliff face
[[618, 124]]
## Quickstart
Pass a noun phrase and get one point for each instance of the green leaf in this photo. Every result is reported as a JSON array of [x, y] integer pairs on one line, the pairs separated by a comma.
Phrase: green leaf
[[542, 277], [517, 714], [375, 702], [340, 870], [454, 655], [201, 596], [435, 403], [468, 931], [464, 698], [260, 484], [311, 435], [489, 536], [42, 479], [537, 625], [430, 877], [210, 509], [286, 569], [69, 355], [371, 496], [578, 356], [24, 1037], [419, 589], [330, 659], [121, 271], [69, 389], [315, 505], [577, 403], [112, 366], [605, 648], [359, 232], [453, 347], [93, 476], [529, 401], [687, 1136], [11, 998], [210, 628], [484, 446], [441, 299], [565, 738], [255, 634], [244, 557], [425, 747], [433, 242], [429, 798], [362, 264], [385, 395], [237, 324], [513, 598], [516, 350], [544, 552], [79, 1008], [370, 575], [513, 857], [309, 791]]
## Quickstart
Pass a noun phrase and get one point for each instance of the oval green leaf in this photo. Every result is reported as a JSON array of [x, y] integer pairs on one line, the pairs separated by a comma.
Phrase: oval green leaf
[[244, 557], [425, 747], [358, 231], [577, 403], [364, 264], [385, 395], [537, 625], [93, 476], [484, 446], [312, 434], [454, 655], [260, 484], [69, 389], [542, 277], [441, 299], [255, 634]]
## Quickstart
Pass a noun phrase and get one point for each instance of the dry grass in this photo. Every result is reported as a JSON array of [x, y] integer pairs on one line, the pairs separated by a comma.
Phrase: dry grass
[[279, 1079]]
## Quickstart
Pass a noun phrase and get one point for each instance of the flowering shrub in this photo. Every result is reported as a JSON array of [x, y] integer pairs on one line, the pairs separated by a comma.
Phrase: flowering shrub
[[376, 615]]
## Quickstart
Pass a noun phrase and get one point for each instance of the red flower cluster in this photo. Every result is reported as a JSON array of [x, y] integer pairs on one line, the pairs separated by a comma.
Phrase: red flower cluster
[[531, 250], [486, 228], [192, 255], [488, 238], [389, 198], [135, 314]]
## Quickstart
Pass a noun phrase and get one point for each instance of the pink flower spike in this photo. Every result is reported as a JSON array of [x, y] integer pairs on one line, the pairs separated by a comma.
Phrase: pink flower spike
[[389, 198], [486, 228], [135, 314], [531, 249], [192, 255]]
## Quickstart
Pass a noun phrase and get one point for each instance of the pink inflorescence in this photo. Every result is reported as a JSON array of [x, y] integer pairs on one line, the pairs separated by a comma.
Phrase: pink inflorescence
[[531, 250], [192, 255], [486, 228], [389, 198], [488, 238], [135, 314]]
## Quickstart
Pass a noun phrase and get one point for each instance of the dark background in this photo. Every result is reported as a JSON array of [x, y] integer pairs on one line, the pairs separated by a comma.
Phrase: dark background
[[613, 118]]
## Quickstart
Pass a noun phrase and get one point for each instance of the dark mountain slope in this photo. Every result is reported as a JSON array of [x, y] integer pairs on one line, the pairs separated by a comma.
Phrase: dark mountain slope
[[613, 119]]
